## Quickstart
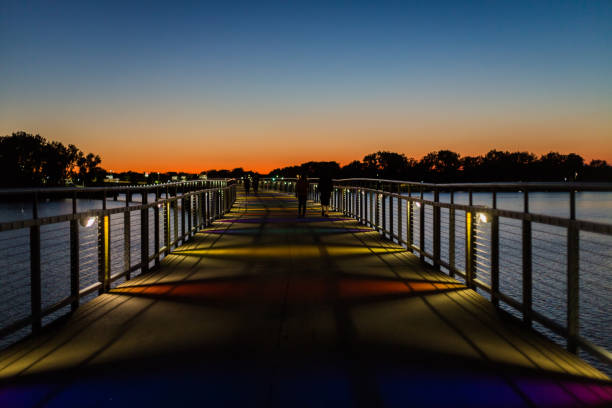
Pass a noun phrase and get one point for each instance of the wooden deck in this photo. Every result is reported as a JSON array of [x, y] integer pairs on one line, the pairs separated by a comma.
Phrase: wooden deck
[[264, 309]]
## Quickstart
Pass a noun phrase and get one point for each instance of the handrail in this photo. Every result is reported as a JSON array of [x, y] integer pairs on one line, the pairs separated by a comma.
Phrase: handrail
[[505, 186], [500, 186], [137, 187], [475, 235], [174, 221]]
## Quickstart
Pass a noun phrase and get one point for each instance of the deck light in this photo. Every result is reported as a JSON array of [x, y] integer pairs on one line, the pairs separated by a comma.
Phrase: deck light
[[482, 217], [418, 204], [87, 221]]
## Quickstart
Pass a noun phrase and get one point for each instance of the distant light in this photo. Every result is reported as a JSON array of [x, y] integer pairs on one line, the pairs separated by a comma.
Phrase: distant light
[[87, 221], [482, 217]]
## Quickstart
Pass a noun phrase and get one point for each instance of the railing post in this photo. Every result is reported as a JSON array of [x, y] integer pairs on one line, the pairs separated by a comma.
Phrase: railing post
[[364, 208], [107, 253], [399, 217], [409, 223], [358, 204], [127, 245], [349, 202], [573, 278], [436, 229], [221, 203], [495, 254], [156, 229], [347, 209], [384, 211], [175, 219], [527, 265], [183, 223], [35, 287], [422, 227], [74, 257], [213, 205], [469, 248], [451, 235], [391, 188], [103, 249], [204, 209], [377, 211], [345, 202], [190, 215], [371, 200], [167, 227], [144, 233], [199, 211]]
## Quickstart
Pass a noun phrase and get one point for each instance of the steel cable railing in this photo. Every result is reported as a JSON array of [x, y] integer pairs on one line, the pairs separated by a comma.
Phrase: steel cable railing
[[552, 272], [49, 265]]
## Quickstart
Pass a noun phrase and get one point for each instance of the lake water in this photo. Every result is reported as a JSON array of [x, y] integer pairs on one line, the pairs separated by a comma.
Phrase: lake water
[[549, 254]]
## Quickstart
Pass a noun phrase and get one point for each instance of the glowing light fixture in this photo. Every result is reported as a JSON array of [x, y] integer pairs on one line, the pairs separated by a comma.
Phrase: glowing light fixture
[[418, 204], [482, 217], [87, 221]]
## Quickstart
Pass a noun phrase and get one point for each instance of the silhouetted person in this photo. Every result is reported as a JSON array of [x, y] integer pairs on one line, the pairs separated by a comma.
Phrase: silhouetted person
[[325, 189], [255, 184], [247, 184], [301, 191]]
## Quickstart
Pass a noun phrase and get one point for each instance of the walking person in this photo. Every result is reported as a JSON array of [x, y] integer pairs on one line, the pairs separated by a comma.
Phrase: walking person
[[255, 184], [325, 189], [301, 191], [247, 184]]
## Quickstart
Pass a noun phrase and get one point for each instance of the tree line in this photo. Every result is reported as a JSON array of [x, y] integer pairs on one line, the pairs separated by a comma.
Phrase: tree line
[[32, 161], [445, 166]]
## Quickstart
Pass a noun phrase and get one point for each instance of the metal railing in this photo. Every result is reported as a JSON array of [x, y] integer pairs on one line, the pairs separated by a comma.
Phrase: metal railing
[[49, 264], [552, 272]]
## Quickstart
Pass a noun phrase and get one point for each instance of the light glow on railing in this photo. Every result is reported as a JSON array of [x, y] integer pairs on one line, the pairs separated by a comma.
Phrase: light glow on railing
[[87, 221], [482, 217], [418, 204]]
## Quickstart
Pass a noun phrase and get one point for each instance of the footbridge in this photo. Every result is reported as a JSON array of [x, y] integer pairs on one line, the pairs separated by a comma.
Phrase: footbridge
[[204, 295]]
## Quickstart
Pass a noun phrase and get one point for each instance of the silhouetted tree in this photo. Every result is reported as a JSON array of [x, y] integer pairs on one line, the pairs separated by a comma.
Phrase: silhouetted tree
[[447, 166], [470, 169], [30, 160], [353, 169], [440, 166], [598, 170], [383, 164], [90, 172]]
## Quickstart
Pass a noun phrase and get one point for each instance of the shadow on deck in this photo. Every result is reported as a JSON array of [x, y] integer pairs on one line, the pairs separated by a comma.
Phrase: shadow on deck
[[266, 309]]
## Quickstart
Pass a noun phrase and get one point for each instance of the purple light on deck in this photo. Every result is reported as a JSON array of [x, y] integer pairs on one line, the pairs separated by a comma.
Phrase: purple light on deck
[[281, 220]]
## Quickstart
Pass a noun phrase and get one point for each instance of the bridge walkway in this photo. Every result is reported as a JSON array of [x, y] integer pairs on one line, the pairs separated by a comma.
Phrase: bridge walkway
[[264, 309]]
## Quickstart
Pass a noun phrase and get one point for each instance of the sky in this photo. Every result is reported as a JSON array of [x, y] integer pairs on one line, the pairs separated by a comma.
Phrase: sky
[[190, 86]]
